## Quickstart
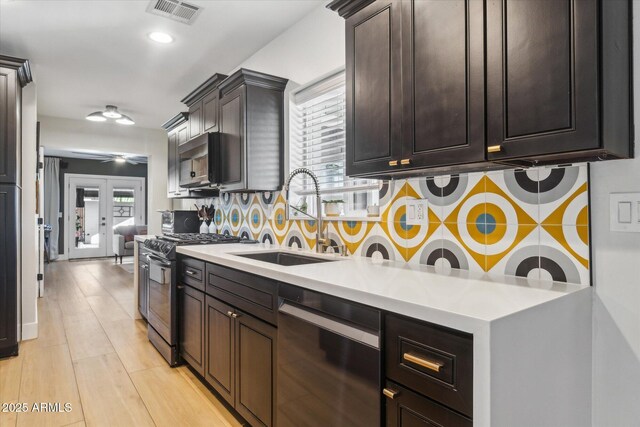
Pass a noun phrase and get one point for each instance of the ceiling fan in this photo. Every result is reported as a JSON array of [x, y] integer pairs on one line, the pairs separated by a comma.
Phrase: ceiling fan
[[118, 158]]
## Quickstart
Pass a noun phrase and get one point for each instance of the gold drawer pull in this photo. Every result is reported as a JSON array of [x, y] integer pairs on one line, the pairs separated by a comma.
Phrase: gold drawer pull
[[393, 163], [405, 161], [494, 148], [434, 366], [391, 394]]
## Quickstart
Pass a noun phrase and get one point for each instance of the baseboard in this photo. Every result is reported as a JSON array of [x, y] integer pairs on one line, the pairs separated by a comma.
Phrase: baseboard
[[29, 331]]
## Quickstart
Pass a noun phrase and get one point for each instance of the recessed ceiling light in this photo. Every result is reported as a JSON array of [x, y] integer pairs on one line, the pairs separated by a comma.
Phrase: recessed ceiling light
[[120, 159], [96, 117], [160, 37]]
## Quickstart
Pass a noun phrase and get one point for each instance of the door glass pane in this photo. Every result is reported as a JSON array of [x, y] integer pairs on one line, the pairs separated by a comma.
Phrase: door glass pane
[[87, 224], [123, 207]]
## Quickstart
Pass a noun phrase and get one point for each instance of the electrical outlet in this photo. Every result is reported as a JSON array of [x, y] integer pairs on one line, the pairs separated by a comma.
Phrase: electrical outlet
[[417, 211]]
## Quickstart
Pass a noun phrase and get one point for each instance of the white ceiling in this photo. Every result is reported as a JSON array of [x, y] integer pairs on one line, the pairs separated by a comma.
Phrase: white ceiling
[[86, 54]]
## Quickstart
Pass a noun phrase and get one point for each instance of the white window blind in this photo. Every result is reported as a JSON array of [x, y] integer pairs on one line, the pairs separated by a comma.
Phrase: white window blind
[[317, 138]]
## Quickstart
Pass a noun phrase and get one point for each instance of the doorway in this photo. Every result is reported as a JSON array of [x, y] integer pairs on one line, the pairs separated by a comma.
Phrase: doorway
[[95, 207]]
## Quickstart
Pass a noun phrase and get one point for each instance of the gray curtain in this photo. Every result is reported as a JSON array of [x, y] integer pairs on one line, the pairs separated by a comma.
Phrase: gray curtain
[[52, 202]]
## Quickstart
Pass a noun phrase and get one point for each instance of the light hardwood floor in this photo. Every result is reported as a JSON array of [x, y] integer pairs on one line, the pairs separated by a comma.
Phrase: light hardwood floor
[[92, 354]]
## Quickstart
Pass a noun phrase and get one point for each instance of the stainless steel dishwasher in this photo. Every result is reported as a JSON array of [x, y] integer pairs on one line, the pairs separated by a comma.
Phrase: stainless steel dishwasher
[[329, 364]]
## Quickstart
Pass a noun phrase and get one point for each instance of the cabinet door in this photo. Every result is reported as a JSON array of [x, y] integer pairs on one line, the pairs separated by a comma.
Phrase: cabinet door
[[443, 82], [256, 370], [183, 136], [408, 409], [374, 90], [9, 206], [9, 151], [143, 288], [210, 112], [220, 351], [542, 92], [195, 120], [192, 328], [232, 139], [173, 173]]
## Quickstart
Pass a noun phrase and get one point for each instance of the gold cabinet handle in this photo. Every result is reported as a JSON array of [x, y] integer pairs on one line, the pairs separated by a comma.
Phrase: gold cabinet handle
[[230, 313], [434, 366], [405, 161], [235, 315], [494, 148], [391, 394], [393, 163]]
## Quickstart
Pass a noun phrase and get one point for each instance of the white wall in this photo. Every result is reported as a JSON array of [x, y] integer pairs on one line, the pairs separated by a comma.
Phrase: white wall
[[309, 49], [66, 134], [312, 48], [616, 267], [29, 252]]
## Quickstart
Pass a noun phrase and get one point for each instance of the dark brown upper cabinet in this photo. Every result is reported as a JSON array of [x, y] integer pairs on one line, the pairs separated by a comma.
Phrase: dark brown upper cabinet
[[443, 83], [210, 112], [374, 92], [15, 73], [195, 120], [558, 82], [485, 84], [252, 132], [415, 87], [177, 133], [203, 106]]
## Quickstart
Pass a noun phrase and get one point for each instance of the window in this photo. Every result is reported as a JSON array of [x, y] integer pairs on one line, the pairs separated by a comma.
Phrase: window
[[317, 142]]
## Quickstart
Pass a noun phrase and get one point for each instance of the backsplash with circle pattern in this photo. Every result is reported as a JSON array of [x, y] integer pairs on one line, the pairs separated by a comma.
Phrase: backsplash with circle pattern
[[530, 223]]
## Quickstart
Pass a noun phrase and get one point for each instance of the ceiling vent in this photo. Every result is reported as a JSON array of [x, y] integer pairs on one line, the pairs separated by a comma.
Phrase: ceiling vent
[[175, 9]]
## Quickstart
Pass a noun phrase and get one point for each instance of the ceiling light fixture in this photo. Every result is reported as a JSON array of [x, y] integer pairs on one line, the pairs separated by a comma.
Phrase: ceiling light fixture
[[125, 120], [160, 37], [120, 159], [97, 117], [110, 112]]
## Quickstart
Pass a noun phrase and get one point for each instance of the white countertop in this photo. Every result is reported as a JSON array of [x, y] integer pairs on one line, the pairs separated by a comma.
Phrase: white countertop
[[143, 237], [461, 300]]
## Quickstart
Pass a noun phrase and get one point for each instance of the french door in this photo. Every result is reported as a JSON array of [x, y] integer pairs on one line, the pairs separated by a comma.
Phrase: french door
[[96, 208]]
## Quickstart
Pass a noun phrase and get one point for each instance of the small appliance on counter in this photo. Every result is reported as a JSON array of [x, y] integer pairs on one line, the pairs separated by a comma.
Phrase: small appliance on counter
[[180, 222]]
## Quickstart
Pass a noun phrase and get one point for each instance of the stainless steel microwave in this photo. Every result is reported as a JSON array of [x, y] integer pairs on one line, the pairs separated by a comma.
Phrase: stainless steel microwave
[[198, 161]]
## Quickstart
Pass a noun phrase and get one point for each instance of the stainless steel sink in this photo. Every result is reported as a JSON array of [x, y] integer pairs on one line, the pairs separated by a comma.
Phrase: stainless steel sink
[[285, 258]]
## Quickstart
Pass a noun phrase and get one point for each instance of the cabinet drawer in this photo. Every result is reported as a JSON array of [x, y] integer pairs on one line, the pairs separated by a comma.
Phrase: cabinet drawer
[[406, 408], [192, 273], [433, 360], [253, 294]]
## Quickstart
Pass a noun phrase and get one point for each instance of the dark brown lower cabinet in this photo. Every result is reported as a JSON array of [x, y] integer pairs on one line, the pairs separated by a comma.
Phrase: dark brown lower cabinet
[[240, 362], [219, 353], [192, 338], [408, 409], [255, 370]]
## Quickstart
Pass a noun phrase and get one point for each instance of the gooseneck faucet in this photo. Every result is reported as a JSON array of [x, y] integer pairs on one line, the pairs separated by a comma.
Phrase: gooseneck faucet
[[321, 241]]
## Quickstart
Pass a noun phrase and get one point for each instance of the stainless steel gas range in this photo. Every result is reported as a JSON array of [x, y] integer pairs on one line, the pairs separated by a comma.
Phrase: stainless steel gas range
[[162, 286]]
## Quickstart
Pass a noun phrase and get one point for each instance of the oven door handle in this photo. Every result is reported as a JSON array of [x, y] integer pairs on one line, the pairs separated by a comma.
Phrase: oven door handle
[[157, 260]]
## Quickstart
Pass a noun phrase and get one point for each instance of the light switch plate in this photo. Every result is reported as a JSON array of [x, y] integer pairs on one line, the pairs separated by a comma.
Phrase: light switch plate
[[624, 212], [417, 211]]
